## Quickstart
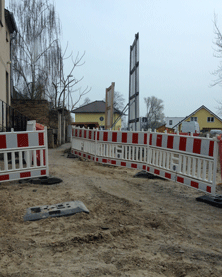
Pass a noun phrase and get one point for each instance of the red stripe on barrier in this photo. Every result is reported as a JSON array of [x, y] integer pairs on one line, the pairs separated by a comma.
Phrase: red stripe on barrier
[[105, 136], [104, 160], [150, 142], [183, 144], [145, 138], [170, 142], [4, 177], [156, 171], [90, 134], [211, 148], [97, 135], [180, 179], [44, 162], [148, 169], [159, 140], [113, 162], [208, 189], [80, 133], [25, 174], [22, 140], [38, 157], [41, 139], [196, 146], [144, 167], [2, 142], [123, 163], [135, 138], [168, 175], [84, 155], [194, 184], [114, 137], [124, 137], [97, 159], [84, 133], [134, 165], [43, 172]]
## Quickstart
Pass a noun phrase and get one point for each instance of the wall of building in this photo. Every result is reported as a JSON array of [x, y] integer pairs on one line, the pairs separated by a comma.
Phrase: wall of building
[[174, 121], [34, 109], [202, 116], [4, 57], [96, 117]]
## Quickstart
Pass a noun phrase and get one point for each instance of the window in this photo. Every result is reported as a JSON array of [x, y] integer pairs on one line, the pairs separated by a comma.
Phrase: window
[[210, 119], [7, 88], [193, 118], [1, 13], [170, 122]]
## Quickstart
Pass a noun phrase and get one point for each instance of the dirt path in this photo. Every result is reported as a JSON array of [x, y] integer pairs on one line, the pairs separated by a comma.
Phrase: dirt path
[[136, 227]]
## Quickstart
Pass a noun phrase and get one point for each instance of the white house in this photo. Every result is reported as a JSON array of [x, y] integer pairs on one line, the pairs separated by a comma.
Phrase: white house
[[172, 121]]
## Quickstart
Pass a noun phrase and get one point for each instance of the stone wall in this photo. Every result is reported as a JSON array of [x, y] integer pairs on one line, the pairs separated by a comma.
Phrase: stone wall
[[39, 110], [34, 109]]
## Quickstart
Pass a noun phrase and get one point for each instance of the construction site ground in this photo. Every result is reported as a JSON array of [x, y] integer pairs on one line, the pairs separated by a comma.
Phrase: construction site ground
[[135, 226]]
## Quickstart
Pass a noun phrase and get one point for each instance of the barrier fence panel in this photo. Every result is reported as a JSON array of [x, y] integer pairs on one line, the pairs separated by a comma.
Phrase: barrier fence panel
[[188, 160], [23, 155]]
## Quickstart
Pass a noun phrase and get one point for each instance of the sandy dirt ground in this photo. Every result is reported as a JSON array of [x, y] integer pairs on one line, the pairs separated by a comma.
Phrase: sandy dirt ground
[[135, 227]]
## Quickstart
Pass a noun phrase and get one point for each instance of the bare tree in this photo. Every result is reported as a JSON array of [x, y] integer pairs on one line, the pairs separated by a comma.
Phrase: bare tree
[[154, 112], [37, 51], [38, 61], [118, 101], [65, 87], [218, 54], [86, 101]]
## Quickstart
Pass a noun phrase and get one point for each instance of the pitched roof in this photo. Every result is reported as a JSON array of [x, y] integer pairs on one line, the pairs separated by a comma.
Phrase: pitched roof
[[201, 107], [94, 107]]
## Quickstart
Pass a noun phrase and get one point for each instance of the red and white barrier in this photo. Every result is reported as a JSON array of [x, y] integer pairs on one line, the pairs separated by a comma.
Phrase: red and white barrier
[[188, 160], [23, 155]]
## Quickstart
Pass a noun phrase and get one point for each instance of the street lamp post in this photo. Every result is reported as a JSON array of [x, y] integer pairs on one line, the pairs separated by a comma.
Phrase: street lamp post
[[69, 76]]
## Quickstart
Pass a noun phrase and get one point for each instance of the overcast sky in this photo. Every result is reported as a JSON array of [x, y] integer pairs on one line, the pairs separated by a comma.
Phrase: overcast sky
[[176, 48]]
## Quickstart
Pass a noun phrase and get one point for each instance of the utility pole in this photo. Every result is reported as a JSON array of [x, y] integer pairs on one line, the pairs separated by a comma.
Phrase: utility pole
[[69, 76]]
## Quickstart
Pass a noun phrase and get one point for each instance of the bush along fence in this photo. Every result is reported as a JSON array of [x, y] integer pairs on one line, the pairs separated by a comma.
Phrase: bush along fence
[[188, 160]]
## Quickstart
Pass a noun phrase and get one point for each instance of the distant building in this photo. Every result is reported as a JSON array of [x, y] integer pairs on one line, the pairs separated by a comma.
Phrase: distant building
[[206, 119], [7, 28], [172, 121], [94, 113]]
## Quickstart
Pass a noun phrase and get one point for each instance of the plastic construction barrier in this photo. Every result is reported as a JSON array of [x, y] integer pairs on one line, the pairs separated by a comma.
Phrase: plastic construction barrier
[[188, 160], [23, 155]]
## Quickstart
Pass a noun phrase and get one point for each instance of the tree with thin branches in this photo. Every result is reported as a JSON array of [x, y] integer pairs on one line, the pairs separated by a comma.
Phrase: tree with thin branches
[[36, 50], [154, 111], [38, 59]]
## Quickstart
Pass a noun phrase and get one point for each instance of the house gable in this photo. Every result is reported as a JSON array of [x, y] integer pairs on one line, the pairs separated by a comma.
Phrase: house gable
[[206, 119]]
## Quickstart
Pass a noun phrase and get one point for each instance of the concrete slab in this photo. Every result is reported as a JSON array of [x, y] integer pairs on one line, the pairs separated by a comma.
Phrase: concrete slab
[[61, 209]]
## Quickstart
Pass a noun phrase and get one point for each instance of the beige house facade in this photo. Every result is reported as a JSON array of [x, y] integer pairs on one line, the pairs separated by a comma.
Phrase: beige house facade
[[7, 28]]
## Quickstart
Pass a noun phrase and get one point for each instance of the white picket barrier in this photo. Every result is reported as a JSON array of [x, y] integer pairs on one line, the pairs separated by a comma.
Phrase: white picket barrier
[[191, 161], [23, 155]]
